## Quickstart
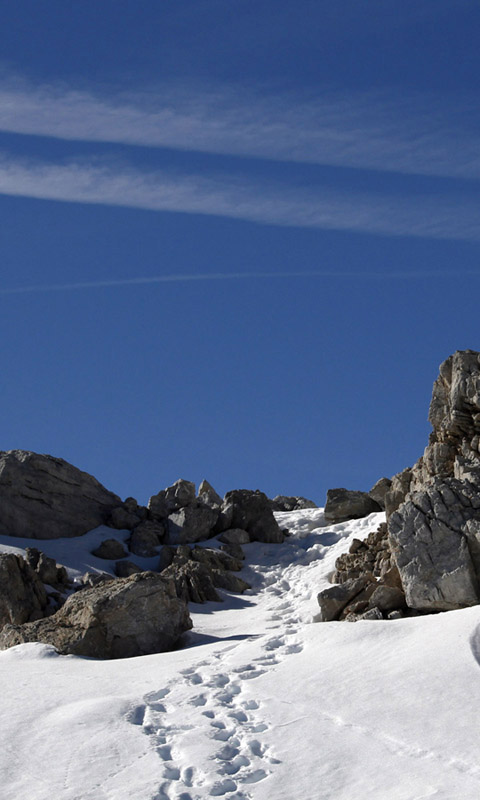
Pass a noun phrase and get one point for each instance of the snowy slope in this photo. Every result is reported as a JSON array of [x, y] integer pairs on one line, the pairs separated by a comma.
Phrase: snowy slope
[[262, 702]]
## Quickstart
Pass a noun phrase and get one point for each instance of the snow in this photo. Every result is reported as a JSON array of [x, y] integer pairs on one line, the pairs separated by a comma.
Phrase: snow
[[261, 702]]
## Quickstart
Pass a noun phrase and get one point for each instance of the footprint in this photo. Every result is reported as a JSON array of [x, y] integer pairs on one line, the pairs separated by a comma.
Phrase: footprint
[[227, 753], [188, 774], [220, 788], [195, 678], [233, 766], [153, 696], [240, 716], [136, 715], [247, 676], [254, 777], [199, 700], [293, 648], [165, 752], [172, 773], [219, 680], [250, 705]]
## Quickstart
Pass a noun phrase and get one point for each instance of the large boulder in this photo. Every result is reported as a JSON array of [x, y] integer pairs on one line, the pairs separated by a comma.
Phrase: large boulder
[[344, 504], [43, 497], [191, 524], [173, 498], [286, 503], [251, 512], [120, 618]]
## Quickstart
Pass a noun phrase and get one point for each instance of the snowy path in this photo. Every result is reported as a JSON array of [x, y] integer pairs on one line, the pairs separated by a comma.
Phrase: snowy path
[[261, 705]]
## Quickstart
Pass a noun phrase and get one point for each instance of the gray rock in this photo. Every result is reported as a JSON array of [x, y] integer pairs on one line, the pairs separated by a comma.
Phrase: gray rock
[[344, 504], [208, 495], [191, 524], [47, 568], [158, 506], [233, 550], [193, 582], [333, 600], [372, 614], [90, 579], [22, 594], [122, 519], [429, 537], [146, 538], [43, 497], [118, 619], [234, 536], [387, 598], [180, 495], [283, 503], [110, 549], [398, 492], [379, 490], [215, 559], [123, 569], [229, 582], [251, 512]]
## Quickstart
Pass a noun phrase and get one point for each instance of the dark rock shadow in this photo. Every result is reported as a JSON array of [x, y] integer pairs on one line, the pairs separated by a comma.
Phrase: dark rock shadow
[[475, 644]]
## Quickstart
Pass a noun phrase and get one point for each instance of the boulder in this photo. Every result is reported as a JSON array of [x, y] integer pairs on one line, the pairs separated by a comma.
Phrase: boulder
[[215, 559], [123, 519], [344, 504], [43, 497], [121, 618], [333, 600], [180, 495], [398, 491], [123, 569], [47, 568], [146, 538], [191, 524], [193, 582], [22, 594], [234, 536], [283, 503], [379, 491], [251, 512], [110, 550]]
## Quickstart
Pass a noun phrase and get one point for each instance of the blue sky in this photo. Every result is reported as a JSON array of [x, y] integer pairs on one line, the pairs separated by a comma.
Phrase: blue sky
[[237, 238]]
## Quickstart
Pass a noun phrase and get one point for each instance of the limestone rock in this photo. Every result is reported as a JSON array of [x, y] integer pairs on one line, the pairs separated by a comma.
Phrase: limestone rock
[[379, 491], [344, 504], [123, 569], [43, 497], [234, 536], [215, 559], [191, 524], [122, 519], [146, 538], [251, 512], [47, 568], [283, 503], [333, 600], [398, 491], [22, 594], [193, 582], [110, 550], [117, 619], [208, 495]]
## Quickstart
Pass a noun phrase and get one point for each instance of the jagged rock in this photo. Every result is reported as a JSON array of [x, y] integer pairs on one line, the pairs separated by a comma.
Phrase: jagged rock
[[180, 494], [191, 524], [43, 497], [333, 600], [110, 549], [379, 491], [193, 582], [123, 569], [47, 568], [229, 582], [215, 559], [22, 594], [398, 491], [146, 538], [251, 512], [283, 503], [158, 506], [373, 555], [208, 495], [90, 579], [234, 536], [344, 504], [122, 519], [118, 619], [387, 598], [430, 539]]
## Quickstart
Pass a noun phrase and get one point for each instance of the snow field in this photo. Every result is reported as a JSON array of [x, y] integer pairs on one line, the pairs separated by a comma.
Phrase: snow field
[[260, 703]]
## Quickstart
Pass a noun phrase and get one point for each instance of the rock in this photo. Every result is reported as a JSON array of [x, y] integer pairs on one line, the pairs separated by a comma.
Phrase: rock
[[90, 579], [251, 512], [121, 618], [333, 600], [429, 537], [47, 568], [372, 614], [193, 582], [43, 497], [110, 549], [191, 524], [379, 491], [158, 507], [215, 559], [122, 519], [233, 550], [146, 538], [398, 491], [344, 504], [387, 598], [180, 495], [123, 569], [208, 495], [234, 536], [22, 594], [229, 582], [283, 503], [373, 556]]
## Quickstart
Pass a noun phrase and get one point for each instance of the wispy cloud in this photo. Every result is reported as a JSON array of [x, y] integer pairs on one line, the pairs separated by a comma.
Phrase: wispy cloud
[[275, 204], [237, 276], [423, 135]]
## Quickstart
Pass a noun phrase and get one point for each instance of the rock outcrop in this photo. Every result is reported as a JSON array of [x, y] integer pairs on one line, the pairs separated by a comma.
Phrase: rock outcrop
[[433, 509], [22, 594], [344, 504], [285, 503], [116, 619], [43, 497]]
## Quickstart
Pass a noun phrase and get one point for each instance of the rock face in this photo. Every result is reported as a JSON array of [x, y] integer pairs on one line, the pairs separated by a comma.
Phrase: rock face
[[343, 504], [117, 619], [22, 594], [43, 497]]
